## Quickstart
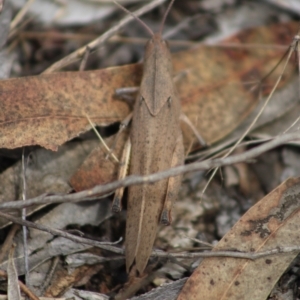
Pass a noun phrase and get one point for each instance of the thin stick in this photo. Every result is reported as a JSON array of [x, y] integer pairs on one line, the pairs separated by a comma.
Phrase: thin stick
[[142, 41], [101, 39], [57, 232], [292, 125], [24, 229], [18, 18], [198, 241], [200, 139], [50, 275], [109, 152], [85, 58], [101, 190], [234, 254], [107, 246]]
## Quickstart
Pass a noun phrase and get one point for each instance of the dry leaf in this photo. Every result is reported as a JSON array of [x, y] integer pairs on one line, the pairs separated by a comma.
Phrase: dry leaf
[[271, 223], [50, 109], [216, 94]]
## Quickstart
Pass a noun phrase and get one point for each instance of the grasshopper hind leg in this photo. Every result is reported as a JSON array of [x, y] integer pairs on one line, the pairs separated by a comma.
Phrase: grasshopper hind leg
[[173, 183]]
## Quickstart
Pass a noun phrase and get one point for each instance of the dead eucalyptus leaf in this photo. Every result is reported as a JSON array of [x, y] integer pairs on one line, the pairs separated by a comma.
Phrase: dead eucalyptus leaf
[[48, 110], [219, 94], [272, 222], [216, 93]]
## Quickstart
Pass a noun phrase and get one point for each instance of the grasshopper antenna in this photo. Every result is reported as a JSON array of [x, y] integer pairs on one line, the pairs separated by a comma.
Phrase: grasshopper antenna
[[165, 17], [138, 19]]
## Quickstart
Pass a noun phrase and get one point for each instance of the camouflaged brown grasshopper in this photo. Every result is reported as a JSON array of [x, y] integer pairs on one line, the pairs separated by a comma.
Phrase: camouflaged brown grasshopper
[[155, 144]]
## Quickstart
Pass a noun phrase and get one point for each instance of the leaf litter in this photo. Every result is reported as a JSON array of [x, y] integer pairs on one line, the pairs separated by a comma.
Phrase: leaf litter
[[52, 120], [52, 170]]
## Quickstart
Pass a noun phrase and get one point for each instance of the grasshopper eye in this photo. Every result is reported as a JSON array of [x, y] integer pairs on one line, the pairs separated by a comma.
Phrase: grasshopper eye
[[169, 101]]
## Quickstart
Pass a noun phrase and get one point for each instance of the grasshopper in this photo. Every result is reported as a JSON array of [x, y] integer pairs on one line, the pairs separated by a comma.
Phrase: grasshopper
[[155, 144]]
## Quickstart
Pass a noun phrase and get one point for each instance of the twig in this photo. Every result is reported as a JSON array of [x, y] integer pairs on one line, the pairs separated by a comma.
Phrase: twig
[[142, 41], [109, 152], [220, 150], [107, 245], [24, 229], [101, 39], [84, 58], [57, 232], [18, 18], [297, 50], [197, 241], [50, 275], [100, 190], [234, 254]]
